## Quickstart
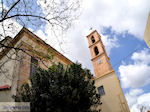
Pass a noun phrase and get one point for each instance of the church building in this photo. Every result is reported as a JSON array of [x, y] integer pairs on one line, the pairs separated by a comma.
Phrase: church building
[[31, 51]]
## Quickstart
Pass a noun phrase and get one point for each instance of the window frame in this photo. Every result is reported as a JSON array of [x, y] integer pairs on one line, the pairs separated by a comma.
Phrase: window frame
[[33, 65], [96, 51], [92, 39], [101, 90]]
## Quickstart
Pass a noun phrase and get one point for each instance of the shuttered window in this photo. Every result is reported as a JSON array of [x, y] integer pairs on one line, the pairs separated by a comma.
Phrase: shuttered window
[[92, 39], [101, 90], [33, 66]]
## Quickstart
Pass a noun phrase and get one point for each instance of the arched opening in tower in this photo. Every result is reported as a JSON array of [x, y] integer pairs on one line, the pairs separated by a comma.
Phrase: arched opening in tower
[[96, 50], [92, 39]]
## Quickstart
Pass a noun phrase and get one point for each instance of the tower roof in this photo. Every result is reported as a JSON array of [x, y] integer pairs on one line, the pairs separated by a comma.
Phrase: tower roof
[[91, 32]]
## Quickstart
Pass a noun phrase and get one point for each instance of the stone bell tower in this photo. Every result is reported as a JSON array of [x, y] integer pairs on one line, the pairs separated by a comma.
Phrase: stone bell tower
[[99, 56], [106, 80]]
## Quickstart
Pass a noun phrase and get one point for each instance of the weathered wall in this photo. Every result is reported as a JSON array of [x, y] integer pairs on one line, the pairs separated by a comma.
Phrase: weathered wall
[[18, 71], [6, 75], [9, 75], [36, 50], [5, 96]]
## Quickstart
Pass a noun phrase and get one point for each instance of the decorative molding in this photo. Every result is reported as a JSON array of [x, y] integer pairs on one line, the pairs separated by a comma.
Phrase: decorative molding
[[105, 74]]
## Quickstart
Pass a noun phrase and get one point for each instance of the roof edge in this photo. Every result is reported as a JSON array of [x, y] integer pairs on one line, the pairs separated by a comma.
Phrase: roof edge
[[91, 33], [16, 39]]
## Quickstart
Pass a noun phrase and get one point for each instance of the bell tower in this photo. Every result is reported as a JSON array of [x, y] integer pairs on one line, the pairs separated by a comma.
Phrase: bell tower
[[106, 80], [99, 56]]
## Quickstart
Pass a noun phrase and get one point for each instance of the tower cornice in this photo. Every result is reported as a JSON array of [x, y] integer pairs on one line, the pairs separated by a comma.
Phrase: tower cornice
[[99, 55], [91, 33], [105, 74], [96, 43]]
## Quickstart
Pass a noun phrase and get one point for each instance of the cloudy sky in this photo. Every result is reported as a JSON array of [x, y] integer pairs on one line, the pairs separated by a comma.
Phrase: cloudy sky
[[121, 23]]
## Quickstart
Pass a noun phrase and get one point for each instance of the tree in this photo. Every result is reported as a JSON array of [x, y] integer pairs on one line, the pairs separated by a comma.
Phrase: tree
[[33, 14], [36, 14], [61, 89]]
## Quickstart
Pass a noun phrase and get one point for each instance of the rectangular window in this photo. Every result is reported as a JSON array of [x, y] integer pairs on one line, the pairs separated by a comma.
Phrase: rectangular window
[[101, 90], [33, 66]]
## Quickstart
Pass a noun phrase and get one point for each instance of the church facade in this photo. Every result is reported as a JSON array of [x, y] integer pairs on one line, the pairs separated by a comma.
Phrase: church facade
[[106, 80]]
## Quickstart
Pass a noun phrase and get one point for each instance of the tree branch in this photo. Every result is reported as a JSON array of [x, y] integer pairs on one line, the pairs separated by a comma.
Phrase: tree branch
[[27, 15], [2, 3], [11, 8]]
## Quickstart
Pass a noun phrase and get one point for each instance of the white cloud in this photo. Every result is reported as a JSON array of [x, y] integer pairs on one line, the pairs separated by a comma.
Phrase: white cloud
[[136, 74], [132, 95], [137, 98], [121, 15], [11, 28], [110, 43], [142, 57]]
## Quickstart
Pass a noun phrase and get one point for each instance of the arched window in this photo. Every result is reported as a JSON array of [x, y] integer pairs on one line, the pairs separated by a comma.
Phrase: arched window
[[96, 50], [92, 39]]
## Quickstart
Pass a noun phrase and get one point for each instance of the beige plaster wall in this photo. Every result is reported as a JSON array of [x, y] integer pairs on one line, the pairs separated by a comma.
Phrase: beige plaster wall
[[147, 32], [9, 75], [113, 100], [6, 78]]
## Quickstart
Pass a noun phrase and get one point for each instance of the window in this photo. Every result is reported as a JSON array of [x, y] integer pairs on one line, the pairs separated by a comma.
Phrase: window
[[92, 39], [96, 50], [101, 90], [33, 66]]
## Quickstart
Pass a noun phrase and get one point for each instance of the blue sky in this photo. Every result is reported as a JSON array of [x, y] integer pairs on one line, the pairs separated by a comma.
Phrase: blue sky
[[128, 45], [121, 23], [32, 8]]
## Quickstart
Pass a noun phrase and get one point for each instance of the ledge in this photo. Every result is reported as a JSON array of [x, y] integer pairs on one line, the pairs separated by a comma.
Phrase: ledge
[[107, 73], [5, 87], [97, 56]]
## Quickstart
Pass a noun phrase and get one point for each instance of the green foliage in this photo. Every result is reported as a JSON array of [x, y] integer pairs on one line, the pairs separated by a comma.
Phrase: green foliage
[[61, 89]]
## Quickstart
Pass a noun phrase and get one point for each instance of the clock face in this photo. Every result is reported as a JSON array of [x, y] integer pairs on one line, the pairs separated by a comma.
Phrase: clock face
[[99, 61]]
